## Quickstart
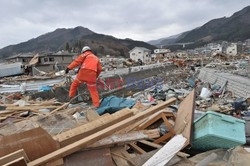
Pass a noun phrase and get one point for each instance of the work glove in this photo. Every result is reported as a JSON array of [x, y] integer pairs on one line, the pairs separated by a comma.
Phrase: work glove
[[67, 70]]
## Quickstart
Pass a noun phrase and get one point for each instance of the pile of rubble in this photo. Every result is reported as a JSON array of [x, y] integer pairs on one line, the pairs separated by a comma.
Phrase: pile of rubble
[[179, 121]]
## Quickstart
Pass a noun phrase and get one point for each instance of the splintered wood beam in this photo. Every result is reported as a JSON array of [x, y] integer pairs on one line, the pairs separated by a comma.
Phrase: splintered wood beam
[[125, 138], [59, 108], [137, 148], [164, 138], [157, 116], [19, 161], [150, 122], [131, 127], [92, 127], [78, 145], [154, 145], [30, 107], [13, 156], [166, 122], [167, 152], [185, 117], [168, 135]]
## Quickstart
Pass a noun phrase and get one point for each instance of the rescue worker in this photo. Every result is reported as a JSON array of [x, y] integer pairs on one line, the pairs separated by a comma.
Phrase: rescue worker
[[90, 69]]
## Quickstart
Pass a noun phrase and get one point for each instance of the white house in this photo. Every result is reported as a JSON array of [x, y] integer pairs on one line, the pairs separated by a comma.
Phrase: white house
[[215, 48], [232, 49], [140, 53]]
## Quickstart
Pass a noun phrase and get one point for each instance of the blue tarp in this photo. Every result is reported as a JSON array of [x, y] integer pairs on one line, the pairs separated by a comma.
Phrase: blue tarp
[[112, 104], [45, 88], [191, 82]]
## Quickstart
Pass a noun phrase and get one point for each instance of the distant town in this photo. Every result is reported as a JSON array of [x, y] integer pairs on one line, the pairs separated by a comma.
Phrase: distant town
[[34, 64]]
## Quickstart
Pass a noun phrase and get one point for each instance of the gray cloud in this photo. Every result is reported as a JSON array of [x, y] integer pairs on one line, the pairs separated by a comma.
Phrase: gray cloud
[[136, 19]]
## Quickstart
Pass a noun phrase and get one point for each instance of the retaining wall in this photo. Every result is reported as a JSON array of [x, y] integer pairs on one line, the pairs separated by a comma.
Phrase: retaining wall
[[239, 85]]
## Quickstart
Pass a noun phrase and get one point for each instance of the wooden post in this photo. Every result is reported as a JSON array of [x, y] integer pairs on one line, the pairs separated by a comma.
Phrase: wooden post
[[78, 145]]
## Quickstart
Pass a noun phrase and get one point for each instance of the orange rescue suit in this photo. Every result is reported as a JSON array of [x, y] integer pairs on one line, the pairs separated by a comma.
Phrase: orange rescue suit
[[90, 69]]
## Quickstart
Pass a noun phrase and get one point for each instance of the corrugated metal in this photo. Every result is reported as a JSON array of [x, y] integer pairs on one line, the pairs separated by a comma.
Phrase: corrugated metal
[[11, 69]]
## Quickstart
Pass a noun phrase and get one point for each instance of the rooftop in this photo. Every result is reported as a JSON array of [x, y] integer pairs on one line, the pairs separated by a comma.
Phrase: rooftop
[[22, 55], [62, 53], [141, 48]]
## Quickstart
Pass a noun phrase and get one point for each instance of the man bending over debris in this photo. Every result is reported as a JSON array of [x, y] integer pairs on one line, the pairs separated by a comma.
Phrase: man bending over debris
[[90, 68]]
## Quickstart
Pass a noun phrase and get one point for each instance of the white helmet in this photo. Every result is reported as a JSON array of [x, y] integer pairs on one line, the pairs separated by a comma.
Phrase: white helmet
[[85, 48]]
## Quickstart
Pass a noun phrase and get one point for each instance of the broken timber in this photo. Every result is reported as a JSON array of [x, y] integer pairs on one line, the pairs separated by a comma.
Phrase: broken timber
[[125, 138], [8, 159], [156, 117], [92, 127], [136, 148], [185, 117], [167, 152], [69, 149], [59, 108], [35, 142], [154, 145], [29, 107], [17, 162]]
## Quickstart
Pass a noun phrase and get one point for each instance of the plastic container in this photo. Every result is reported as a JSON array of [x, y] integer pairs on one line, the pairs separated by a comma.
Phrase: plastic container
[[205, 93], [215, 130]]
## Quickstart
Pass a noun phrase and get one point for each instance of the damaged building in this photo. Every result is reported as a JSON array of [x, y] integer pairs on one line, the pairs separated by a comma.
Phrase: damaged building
[[37, 63]]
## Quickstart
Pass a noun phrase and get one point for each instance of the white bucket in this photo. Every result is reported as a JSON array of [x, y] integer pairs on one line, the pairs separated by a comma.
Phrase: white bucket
[[205, 93]]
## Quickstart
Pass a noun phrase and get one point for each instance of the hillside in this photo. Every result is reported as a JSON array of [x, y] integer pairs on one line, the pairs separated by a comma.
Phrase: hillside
[[76, 38], [234, 28]]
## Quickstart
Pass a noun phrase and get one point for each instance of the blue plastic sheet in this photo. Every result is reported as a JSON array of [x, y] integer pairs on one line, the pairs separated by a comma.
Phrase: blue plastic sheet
[[45, 88], [113, 104]]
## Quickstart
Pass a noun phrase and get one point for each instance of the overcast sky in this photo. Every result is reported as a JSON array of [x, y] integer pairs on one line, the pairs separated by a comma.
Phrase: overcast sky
[[144, 20]]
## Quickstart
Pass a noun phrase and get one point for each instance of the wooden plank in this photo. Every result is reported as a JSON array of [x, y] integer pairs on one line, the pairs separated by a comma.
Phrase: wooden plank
[[156, 117], [59, 108], [152, 119], [167, 152], [5, 112], [169, 126], [128, 156], [99, 135], [17, 162], [87, 129], [119, 158], [35, 142], [39, 112], [94, 157], [164, 137], [3, 118], [136, 148], [170, 115], [185, 116], [13, 156], [131, 127], [154, 145], [150, 122], [29, 107], [141, 159], [58, 162], [125, 138], [34, 103]]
